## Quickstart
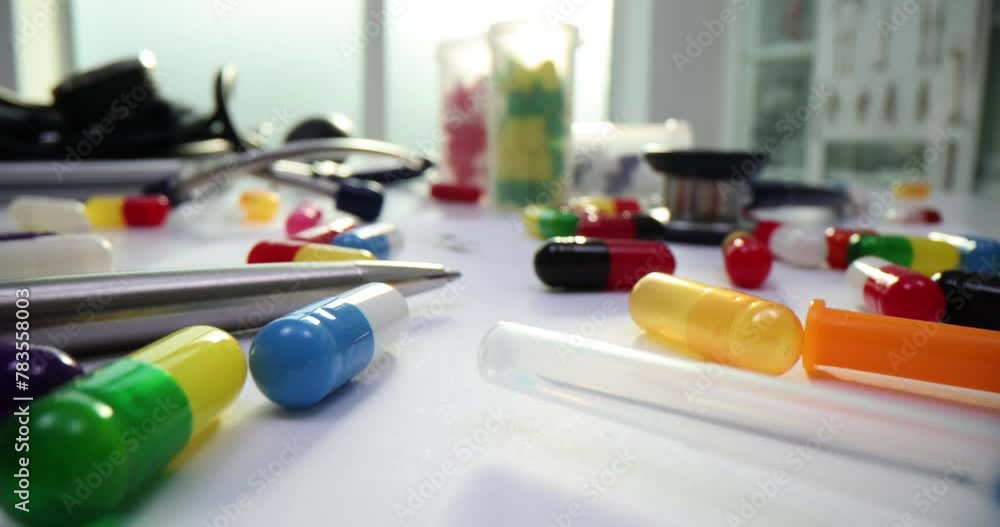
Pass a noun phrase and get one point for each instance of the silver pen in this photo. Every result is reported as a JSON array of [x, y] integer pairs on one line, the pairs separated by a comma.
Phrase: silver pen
[[99, 313]]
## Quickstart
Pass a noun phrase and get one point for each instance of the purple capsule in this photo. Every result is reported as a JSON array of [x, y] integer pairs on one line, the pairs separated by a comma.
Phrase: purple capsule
[[47, 369]]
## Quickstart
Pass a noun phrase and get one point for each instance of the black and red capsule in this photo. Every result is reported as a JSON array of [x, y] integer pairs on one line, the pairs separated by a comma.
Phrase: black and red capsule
[[579, 263]]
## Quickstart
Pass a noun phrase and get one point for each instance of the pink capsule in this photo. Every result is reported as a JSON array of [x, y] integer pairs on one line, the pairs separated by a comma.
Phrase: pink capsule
[[305, 216]]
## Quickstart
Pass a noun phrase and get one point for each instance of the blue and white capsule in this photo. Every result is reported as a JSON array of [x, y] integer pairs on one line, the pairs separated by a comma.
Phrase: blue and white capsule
[[300, 358], [381, 239]]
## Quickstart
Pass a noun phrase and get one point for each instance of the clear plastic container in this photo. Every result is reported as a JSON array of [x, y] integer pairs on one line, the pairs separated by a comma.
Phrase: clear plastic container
[[464, 67], [531, 111]]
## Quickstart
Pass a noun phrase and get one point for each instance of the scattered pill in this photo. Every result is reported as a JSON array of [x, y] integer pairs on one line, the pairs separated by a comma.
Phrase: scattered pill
[[45, 369], [125, 422], [837, 339], [889, 289], [923, 255], [549, 222], [381, 239], [723, 325], [326, 232], [973, 299], [305, 216], [605, 204], [296, 251], [260, 205], [747, 260], [127, 211], [61, 254], [978, 253], [39, 213], [300, 358], [625, 226], [837, 241], [592, 264]]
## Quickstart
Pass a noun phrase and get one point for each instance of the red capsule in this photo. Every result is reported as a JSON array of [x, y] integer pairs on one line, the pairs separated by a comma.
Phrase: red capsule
[[326, 232], [305, 216], [627, 226], [456, 192], [747, 259], [889, 289], [764, 229]]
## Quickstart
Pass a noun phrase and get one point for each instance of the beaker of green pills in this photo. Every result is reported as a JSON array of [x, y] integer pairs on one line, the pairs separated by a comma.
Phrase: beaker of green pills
[[531, 112]]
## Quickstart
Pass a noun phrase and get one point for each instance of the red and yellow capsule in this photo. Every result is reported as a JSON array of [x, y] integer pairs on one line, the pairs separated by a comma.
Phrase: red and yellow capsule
[[296, 251], [127, 211]]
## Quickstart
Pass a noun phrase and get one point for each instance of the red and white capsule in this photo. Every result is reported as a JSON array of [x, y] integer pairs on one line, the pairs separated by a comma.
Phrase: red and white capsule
[[888, 289]]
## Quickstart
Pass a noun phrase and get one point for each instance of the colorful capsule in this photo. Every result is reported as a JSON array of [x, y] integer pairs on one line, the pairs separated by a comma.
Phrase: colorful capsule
[[326, 232], [305, 216], [549, 222], [42, 369], [260, 205], [889, 289], [923, 255], [626, 226], [723, 325], [806, 247], [458, 192], [111, 431], [973, 299], [39, 213], [300, 358], [60, 254], [381, 239], [978, 252], [747, 260], [590, 264], [611, 206], [911, 189], [127, 211], [837, 241], [296, 251], [837, 339], [914, 216]]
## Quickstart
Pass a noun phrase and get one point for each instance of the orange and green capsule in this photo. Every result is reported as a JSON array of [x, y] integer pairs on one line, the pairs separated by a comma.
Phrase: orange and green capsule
[[97, 439]]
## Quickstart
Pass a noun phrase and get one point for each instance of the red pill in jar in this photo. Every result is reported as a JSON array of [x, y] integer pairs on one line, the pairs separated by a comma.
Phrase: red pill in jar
[[305, 215], [747, 260]]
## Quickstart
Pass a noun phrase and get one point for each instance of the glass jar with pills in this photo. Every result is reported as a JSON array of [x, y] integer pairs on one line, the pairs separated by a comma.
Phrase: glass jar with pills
[[531, 111]]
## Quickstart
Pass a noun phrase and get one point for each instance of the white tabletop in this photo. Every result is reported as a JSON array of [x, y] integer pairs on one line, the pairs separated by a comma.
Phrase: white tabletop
[[425, 441]]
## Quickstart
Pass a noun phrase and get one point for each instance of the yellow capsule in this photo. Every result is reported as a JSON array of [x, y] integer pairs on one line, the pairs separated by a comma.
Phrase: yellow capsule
[[933, 256], [320, 252], [260, 205], [105, 211], [911, 189], [547, 75], [723, 325], [206, 362], [530, 216]]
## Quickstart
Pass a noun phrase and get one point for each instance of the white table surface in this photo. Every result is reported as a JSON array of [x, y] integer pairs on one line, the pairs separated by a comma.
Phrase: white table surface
[[361, 456]]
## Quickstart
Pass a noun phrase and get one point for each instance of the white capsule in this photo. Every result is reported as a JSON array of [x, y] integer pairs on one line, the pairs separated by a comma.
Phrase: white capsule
[[799, 247], [55, 255], [44, 214]]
